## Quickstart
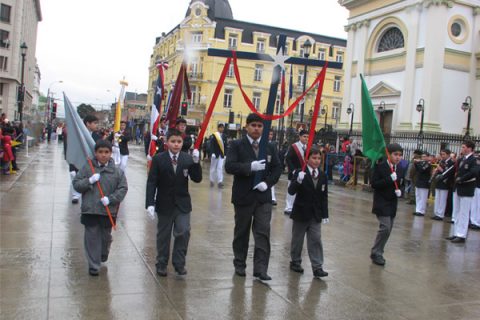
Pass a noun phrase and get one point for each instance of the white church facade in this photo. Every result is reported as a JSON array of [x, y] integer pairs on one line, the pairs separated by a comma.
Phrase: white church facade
[[411, 52]]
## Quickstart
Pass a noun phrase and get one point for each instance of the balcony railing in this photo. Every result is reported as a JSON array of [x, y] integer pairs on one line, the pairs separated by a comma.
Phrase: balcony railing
[[195, 75]]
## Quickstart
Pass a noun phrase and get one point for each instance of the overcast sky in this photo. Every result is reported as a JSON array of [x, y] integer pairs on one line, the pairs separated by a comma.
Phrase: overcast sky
[[92, 44]]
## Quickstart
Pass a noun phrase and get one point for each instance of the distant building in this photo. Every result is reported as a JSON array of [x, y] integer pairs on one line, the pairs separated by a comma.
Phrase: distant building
[[210, 24], [135, 107], [18, 24]]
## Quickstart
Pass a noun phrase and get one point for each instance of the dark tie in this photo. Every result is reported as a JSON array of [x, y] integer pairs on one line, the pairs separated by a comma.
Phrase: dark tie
[[314, 174], [174, 160], [255, 147]]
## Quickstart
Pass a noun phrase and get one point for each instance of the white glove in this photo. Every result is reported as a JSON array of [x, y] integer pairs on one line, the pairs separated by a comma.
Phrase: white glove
[[196, 155], [214, 156], [325, 221], [262, 187], [301, 176], [398, 193], [149, 158], [117, 135], [151, 212], [258, 165], [394, 176], [94, 178], [72, 174], [105, 201], [154, 138]]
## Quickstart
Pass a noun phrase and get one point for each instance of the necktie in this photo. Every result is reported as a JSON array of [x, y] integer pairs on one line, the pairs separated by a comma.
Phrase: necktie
[[255, 147], [174, 160], [314, 174]]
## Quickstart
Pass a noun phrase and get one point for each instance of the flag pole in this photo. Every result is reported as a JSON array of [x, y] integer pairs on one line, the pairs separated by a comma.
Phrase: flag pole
[[391, 167]]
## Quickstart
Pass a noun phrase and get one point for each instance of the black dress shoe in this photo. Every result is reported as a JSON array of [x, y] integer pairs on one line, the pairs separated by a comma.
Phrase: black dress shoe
[[296, 267], [262, 276], [458, 240], [418, 214], [474, 227], [93, 272], [437, 218], [220, 185], [240, 272], [287, 212], [450, 238], [74, 201], [378, 260], [274, 203], [162, 271], [319, 273], [104, 258], [181, 271]]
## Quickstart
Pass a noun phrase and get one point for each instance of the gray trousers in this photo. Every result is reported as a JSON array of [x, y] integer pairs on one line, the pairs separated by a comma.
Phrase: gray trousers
[[314, 242], [179, 222], [386, 225], [97, 241], [257, 217]]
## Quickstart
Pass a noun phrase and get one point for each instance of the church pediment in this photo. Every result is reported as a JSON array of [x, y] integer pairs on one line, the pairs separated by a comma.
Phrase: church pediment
[[382, 89]]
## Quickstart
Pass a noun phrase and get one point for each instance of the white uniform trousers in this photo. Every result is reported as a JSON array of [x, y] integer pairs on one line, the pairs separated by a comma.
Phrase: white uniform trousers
[[441, 197], [75, 195], [475, 212], [123, 163], [455, 206], [421, 198], [463, 217], [290, 199], [216, 170]]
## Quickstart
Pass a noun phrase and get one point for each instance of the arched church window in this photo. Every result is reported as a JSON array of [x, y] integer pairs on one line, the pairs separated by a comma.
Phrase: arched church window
[[391, 39]]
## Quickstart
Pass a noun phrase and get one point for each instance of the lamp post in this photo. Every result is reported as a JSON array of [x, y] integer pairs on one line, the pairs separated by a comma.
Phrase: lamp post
[[467, 106], [240, 115], [381, 110], [325, 112], [21, 93], [307, 46], [421, 108], [351, 110]]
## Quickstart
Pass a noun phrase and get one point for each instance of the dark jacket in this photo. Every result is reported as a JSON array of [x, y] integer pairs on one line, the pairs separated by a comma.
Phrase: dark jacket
[[384, 198], [293, 162], [96, 136], [122, 142], [215, 147], [465, 181], [310, 202], [113, 183], [423, 171], [167, 189], [445, 179], [239, 158], [187, 142]]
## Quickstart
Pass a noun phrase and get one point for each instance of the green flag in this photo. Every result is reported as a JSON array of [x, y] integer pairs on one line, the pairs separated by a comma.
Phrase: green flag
[[373, 141]]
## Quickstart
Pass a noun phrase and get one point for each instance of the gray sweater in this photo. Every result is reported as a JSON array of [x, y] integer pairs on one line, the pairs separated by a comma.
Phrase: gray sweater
[[114, 186]]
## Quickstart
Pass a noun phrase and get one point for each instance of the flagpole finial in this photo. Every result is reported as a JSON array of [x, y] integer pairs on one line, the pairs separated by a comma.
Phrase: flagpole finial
[[123, 82]]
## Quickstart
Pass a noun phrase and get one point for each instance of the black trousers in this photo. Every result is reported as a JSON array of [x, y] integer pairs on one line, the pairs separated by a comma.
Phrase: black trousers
[[257, 217]]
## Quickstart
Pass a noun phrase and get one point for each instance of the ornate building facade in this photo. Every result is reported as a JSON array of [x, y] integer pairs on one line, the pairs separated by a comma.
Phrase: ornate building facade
[[210, 24], [415, 52]]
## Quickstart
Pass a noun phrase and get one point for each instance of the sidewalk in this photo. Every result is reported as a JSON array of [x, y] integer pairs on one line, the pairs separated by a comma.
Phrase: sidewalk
[[43, 273]]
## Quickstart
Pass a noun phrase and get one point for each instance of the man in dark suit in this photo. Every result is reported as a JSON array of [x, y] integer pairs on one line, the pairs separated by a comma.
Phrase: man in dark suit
[[385, 195], [252, 200], [444, 175], [475, 211], [218, 150], [465, 183], [295, 160], [423, 171], [168, 196]]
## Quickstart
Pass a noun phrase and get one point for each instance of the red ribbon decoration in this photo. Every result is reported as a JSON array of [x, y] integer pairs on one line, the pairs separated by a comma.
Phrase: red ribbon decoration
[[252, 107], [209, 113], [316, 110]]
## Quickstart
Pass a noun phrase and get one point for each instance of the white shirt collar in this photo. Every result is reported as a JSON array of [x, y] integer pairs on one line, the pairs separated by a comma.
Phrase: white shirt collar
[[172, 154], [468, 156], [251, 140], [311, 170]]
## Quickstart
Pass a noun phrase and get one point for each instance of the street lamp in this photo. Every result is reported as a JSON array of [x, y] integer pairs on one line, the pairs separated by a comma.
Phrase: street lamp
[[21, 93], [47, 111], [325, 112], [307, 46], [467, 106], [381, 110], [351, 110]]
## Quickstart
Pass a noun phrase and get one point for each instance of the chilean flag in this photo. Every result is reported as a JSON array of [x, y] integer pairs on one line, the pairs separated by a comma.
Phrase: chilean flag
[[157, 105]]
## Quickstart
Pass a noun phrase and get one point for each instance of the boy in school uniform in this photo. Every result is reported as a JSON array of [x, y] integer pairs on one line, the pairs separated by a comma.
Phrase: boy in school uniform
[[168, 196], [98, 227], [385, 199], [310, 209]]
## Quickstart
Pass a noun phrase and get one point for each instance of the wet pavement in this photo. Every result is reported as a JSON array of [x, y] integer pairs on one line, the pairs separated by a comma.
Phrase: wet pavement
[[43, 273]]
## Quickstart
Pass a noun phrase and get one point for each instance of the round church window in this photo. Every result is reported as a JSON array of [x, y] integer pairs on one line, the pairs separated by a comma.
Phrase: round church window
[[456, 29]]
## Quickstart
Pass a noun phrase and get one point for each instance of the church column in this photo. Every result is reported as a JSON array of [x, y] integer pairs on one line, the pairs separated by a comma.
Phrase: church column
[[348, 80], [362, 37], [474, 88], [408, 102], [433, 66]]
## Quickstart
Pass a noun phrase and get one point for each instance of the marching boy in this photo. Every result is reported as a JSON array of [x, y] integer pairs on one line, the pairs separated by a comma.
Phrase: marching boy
[[168, 196], [310, 208], [98, 227]]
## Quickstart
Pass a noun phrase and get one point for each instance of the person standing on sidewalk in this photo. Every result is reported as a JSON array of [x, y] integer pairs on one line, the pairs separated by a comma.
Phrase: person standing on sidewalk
[[385, 199], [475, 211], [252, 200], [423, 171], [218, 147], [295, 160], [98, 227], [443, 175]]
